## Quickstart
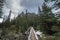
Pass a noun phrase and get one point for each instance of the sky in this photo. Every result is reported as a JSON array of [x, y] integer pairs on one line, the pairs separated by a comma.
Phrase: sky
[[1, 20], [17, 6], [21, 5]]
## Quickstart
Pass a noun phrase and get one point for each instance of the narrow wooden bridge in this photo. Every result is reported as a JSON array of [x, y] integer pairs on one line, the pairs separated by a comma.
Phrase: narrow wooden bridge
[[31, 34]]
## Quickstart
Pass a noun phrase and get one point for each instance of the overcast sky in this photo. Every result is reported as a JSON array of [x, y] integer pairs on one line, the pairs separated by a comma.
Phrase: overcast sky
[[18, 6]]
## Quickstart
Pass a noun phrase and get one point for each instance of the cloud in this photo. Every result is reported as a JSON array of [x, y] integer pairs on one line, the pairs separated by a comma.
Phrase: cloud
[[13, 5], [56, 11], [5, 10], [18, 6], [31, 5], [1, 20]]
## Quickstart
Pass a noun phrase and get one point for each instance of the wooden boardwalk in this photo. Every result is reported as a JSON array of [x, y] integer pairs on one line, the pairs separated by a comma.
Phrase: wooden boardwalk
[[31, 34], [32, 37]]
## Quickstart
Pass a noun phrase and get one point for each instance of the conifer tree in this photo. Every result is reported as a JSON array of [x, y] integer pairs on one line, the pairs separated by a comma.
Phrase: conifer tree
[[47, 19], [1, 6]]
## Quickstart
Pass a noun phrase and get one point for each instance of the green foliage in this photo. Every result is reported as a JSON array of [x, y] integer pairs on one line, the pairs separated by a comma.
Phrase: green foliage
[[1, 6], [45, 21]]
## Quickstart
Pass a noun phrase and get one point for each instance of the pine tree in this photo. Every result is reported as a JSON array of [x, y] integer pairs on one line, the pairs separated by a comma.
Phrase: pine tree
[[47, 19], [7, 22], [1, 6]]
